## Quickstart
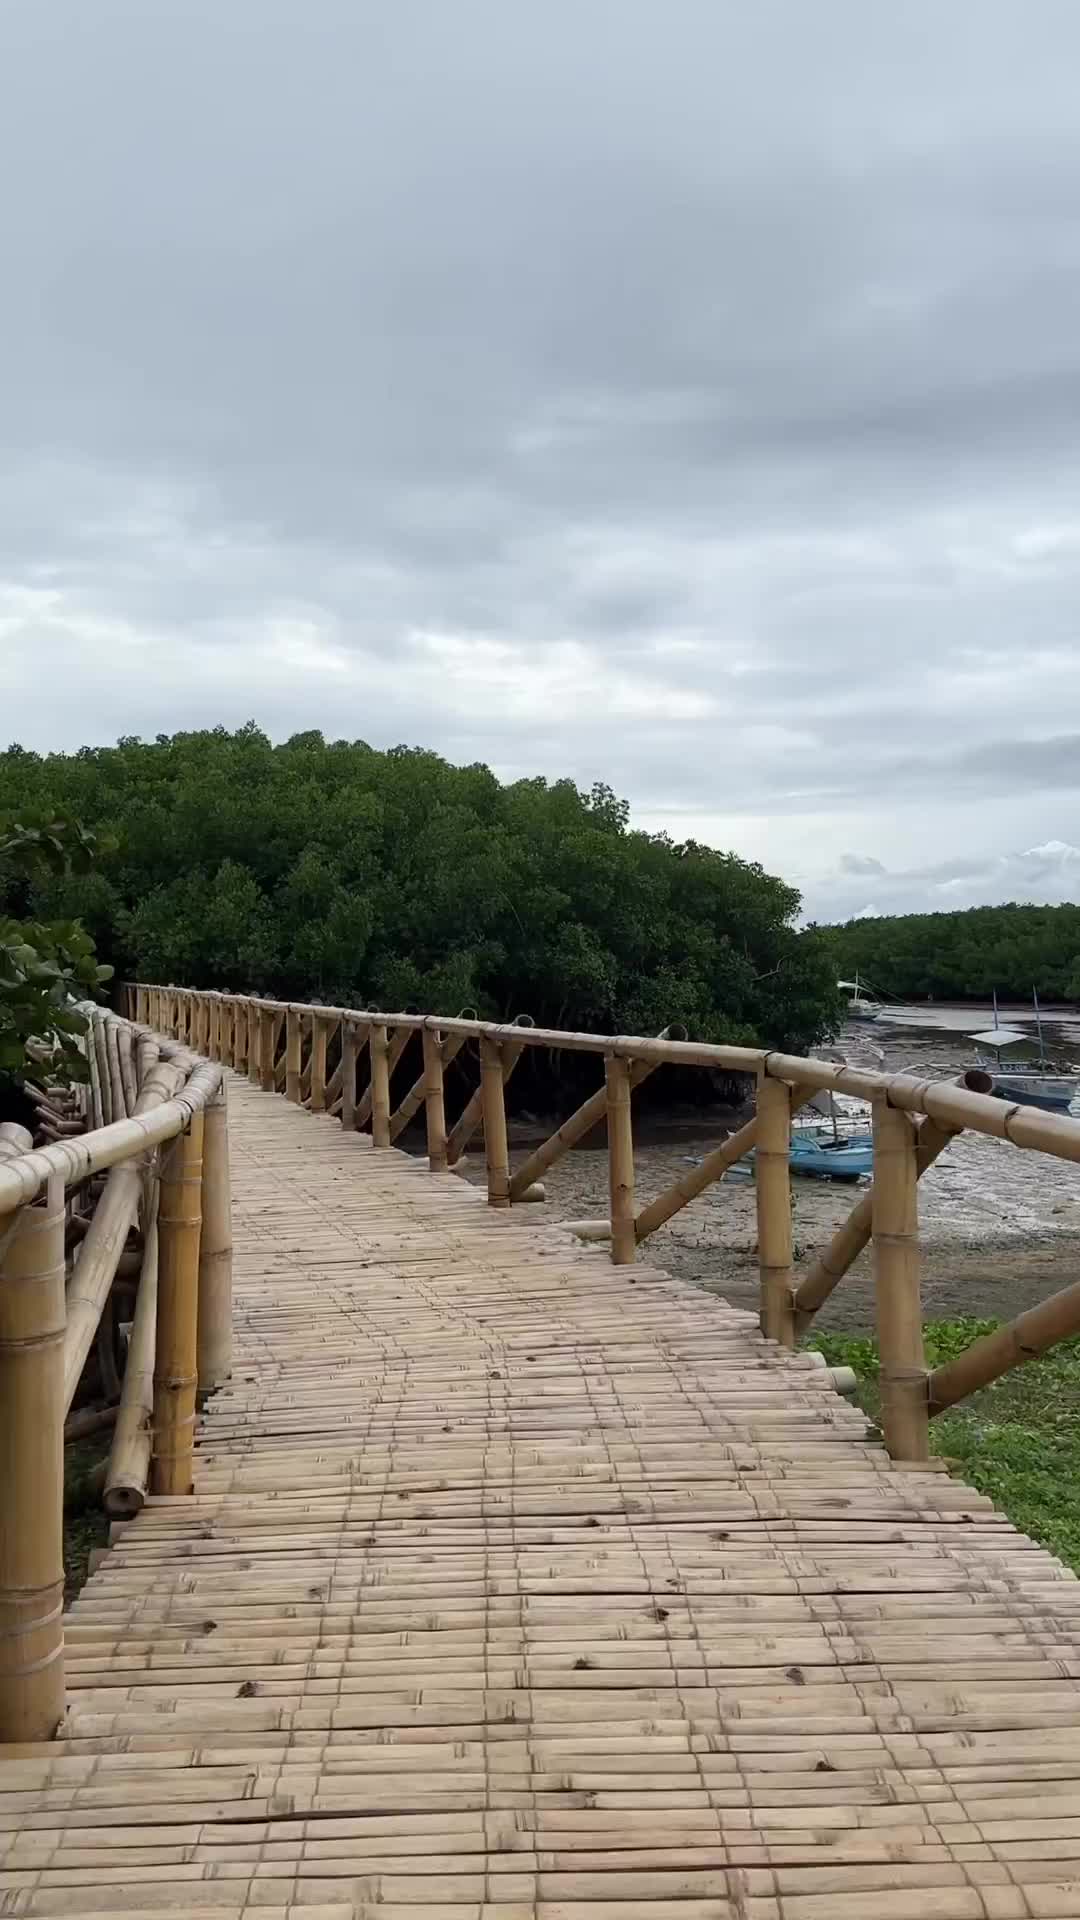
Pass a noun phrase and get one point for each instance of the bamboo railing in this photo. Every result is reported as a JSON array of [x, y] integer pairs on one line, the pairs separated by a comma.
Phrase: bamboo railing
[[148, 1157], [290, 1044]]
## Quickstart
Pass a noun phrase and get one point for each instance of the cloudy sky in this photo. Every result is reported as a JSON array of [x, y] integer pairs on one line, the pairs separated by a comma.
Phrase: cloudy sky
[[680, 394]]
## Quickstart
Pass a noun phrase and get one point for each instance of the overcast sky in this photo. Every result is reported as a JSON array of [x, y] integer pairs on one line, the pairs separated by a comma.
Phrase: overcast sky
[[684, 395]]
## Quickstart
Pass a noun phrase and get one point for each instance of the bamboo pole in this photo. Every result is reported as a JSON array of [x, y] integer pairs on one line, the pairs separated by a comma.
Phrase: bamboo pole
[[125, 1041], [255, 1040], [1030, 1334], [175, 1360], [215, 1250], [101, 1062], [710, 1169], [118, 1098], [772, 1178], [496, 1146], [904, 1409], [293, 1055], [268, 1024], [434, 1103], [589, 1115], [240, 1034], [351, 1039], [399, 1039], [471, 1117], [379, 1090], [319, 1038], [853, 1237], [129, 1458], [95, 1268], [414, 1099], [32, 1470], [620, 1135]]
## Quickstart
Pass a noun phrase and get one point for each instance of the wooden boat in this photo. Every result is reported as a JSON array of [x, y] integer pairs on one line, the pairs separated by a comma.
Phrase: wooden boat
[[1028, 1083], [861, 1005]]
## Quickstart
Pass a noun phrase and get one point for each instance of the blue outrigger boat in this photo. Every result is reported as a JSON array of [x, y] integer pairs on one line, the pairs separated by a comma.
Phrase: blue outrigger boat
[[834, 1145]]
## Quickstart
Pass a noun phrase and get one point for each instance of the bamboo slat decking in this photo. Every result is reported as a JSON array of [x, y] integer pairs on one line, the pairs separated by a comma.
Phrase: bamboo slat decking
[[518, 1585]]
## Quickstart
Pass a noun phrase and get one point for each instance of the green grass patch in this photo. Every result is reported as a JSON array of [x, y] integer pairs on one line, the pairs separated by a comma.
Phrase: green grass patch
[[85, 1525], [1017, 1441]]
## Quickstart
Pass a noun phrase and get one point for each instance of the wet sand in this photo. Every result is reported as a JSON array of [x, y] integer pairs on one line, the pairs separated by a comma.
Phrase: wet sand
[[1000, 1227]]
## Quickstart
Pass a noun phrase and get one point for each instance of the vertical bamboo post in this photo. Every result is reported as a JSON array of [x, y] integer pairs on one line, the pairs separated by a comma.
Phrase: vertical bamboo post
[[176, 1357], [772, 1174], [434, 1103], [267, 1029], [620, 1133], [319, 1036], [380, 1087], [496, 1145], [240, 1035], [215, 1250], [905, 1414], [32, 1468], [254, 1043], [293, 1055], [348, 1075]]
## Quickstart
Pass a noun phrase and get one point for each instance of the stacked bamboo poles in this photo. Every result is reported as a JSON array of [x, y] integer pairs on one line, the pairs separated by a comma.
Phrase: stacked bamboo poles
[[176, 1348], [904, 1408], [773, 1193], [32, 1469], [617, 1080]]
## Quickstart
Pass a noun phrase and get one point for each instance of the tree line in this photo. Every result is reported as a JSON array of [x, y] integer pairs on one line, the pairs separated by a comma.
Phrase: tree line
[[334, 871], [967, 955]]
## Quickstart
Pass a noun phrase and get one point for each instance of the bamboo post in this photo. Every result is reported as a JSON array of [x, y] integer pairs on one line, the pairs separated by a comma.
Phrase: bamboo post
[[32, 1468], [449, 1048], [904, 1407], [116, 1078], [293, 1055], [319, 1037], [399, 1038], [712, 1168], [496, 1146], [434, 1103], [215, 1250], [620, 1134], [176, 1360], [255, 1035], [773, 1182], [853, 1237], [128, 1466], [101, 1061], [380, 1087], [350, 1048], [268, 1020], [240, 1035]]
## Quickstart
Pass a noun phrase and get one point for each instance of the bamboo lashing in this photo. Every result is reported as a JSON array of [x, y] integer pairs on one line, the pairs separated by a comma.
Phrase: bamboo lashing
[[772, 1180], [904, 1412], [215, 1308], [32, 1469], [617, 1074], [496, 1145], [853, 1237], [176, 1352], [434, 1102]]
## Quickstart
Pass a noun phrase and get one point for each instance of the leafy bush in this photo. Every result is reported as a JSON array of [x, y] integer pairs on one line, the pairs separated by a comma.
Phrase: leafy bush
[[44, 965]]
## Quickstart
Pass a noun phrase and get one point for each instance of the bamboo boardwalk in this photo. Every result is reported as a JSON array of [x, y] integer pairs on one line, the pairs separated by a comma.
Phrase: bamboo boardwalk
[[520, 1586]]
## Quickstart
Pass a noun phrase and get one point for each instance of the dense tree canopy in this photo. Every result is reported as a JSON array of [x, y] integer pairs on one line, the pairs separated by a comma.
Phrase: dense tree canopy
[[45, 966], [333, 871], [965, 956]]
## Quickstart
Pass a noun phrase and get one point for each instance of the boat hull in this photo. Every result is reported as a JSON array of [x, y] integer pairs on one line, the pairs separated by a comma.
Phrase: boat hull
[[1047, 1097]]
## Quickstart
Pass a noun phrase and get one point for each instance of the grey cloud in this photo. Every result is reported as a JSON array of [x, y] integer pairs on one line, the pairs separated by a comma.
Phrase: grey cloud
[[689, 398]]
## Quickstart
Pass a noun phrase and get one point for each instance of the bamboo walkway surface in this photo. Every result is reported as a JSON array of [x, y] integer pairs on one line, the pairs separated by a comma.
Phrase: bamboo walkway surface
[[520, 1586]]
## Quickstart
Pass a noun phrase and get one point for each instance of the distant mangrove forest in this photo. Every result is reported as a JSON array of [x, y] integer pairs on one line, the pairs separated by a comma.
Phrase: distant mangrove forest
[[964, 956]]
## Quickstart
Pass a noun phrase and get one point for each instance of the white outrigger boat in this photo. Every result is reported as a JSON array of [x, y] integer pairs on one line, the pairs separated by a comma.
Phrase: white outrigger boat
[[862, 1005], [1029, 1083]]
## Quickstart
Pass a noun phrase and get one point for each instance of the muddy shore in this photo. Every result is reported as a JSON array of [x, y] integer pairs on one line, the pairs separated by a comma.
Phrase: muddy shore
[[1000, 1227]]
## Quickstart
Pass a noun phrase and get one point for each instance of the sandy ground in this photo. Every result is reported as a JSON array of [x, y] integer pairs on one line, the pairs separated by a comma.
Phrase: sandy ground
[[1000, 1227]]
